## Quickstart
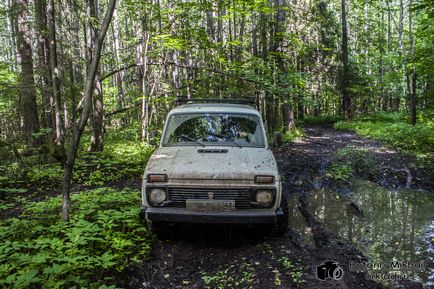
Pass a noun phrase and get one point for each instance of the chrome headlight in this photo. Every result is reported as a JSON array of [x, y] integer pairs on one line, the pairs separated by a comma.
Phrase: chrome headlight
[[264, 197], [157, 196]]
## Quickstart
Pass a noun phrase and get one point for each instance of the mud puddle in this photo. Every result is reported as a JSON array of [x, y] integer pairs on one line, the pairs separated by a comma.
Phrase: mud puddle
[[394, 230]]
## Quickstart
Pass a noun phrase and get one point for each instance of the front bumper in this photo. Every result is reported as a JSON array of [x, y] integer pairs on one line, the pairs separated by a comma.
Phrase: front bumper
[[235, 217]]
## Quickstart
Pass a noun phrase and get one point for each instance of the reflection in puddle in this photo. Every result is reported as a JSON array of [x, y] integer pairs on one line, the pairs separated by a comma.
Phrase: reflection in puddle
[[392, 227]]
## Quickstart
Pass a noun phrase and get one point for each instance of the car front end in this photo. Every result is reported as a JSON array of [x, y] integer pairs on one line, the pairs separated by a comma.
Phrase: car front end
[[213, 166]]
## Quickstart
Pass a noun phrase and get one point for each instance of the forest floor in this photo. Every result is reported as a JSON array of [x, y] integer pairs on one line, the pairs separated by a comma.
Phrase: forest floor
[[234, 257]]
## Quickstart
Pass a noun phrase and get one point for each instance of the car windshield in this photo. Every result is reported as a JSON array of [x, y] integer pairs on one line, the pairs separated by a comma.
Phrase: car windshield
[[243, 130]]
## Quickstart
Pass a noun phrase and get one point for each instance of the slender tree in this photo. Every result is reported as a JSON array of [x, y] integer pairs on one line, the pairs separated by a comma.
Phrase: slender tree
[[59, 139], [79, 128], [346, 98]]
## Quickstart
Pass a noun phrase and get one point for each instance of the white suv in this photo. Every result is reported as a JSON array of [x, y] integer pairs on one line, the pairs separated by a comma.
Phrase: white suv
[[213, 165]]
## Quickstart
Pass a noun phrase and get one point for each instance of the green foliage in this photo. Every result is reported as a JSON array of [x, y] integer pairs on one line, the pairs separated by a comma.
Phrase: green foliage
[[124, 156], [350, 160], [392, 130], [340, 172], [45, 175], [293, 134], [242, 276], [295, 272], [103, 237]]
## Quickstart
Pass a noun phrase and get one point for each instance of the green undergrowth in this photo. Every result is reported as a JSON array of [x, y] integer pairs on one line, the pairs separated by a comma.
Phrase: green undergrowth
[[350, 161], [103, 237], [124, 156], [395, 131], [293, 134]]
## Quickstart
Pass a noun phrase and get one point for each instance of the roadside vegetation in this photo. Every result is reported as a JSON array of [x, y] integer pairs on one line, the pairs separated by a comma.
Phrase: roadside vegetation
[[351, 161], [293, 134], [102, 238], [104, 235], [395, 131]]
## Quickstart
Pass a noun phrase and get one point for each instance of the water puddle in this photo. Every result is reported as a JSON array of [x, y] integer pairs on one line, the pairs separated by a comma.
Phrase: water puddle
[[394, 230]]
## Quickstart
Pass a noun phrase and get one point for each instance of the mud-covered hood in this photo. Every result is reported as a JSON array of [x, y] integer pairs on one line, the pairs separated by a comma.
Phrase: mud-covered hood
[[192, 163]]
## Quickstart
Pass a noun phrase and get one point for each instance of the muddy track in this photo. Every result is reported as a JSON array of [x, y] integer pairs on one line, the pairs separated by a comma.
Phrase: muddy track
[[231, 257]]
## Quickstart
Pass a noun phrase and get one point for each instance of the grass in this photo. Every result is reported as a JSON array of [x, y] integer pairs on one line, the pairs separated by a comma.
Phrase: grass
[[395, 131]]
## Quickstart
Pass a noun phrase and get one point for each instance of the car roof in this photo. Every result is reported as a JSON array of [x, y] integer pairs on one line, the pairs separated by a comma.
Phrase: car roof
[[214, 107]]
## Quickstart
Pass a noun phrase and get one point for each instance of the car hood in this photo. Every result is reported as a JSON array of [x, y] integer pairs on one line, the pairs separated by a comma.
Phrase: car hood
[[211, 163]]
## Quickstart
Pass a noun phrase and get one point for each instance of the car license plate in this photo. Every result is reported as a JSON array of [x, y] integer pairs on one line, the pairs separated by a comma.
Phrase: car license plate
[[210, 205]]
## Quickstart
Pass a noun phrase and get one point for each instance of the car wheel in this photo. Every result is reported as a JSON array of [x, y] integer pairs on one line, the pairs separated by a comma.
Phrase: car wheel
[[281, 227]]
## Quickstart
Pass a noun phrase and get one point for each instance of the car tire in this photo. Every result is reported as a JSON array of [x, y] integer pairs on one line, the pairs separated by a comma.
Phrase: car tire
[[281, 227]]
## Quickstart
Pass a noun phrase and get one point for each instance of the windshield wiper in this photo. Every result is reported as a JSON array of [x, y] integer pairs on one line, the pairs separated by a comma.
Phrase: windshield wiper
[[192, 139], [219, 135]]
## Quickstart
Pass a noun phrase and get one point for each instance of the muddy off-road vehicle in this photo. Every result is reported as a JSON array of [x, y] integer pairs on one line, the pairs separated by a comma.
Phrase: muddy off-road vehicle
[[213, 165]]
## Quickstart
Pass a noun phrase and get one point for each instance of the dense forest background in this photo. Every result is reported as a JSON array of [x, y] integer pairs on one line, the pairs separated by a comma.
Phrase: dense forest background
[[296, 58], [85, 87]]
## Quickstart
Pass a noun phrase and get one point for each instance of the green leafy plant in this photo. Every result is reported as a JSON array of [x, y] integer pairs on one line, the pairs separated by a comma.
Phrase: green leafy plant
[[293, 134], [350, 160], [232, 276], [104, 236], [294, 271]]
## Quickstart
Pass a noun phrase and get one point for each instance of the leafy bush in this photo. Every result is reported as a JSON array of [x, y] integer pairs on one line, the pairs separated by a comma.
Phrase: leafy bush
[[350, 160], [103, 237], [340, 172], [124, 156], [46, 175], [117, 161], [293, 134], [12, 175]]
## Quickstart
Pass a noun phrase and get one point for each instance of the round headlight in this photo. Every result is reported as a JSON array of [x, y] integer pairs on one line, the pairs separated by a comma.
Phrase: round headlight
[[264, 197], [157, 196]]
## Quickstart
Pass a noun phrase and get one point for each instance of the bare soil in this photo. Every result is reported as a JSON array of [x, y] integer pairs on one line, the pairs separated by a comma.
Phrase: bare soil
[[237, 257]]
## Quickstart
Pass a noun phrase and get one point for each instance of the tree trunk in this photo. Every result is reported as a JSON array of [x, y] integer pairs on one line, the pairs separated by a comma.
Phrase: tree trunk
[[43, 62], [412, 93], [97, 132], [413, 102], [288, 114], [59, 140], [120, 99], [346, 98], [28, 106], [175, 72], [97, 138], [78, 130]]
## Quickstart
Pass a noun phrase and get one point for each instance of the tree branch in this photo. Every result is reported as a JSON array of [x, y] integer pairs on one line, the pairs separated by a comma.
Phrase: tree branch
[[167, 63]]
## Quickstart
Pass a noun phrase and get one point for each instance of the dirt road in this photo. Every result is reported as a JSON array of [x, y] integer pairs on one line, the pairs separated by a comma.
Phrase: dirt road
[[221, 257]]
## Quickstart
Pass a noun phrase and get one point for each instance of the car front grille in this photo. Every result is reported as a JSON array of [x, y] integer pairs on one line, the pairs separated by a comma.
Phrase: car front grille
[[243, 197]]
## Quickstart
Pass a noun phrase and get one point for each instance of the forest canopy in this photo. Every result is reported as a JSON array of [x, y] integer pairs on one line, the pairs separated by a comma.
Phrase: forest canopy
[[295, 58]]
